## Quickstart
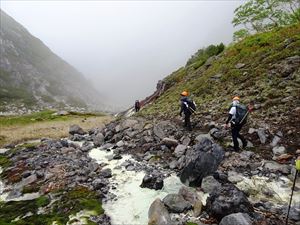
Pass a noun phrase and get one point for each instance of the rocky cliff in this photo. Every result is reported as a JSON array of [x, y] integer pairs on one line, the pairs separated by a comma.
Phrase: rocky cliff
[[32, 75]]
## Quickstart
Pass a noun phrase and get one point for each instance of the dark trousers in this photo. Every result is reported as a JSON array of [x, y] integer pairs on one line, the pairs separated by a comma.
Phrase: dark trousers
[[187, 121], [235, 135]]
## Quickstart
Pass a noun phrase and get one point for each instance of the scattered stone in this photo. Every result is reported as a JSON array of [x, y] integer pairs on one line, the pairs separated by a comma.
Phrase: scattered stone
[[106, 173], [192, 197], [158, 214], [209, 184], [234, 177], [274, 167], [98, 140], [152, 181], [180, 150], [279, 150], [262, 135], [75, 129], [170, 142], [236, 219], [176, 203], [239, 65]]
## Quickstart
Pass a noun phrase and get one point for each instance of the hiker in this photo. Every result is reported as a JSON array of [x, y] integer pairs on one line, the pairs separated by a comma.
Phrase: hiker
[[137, 105], [187, 107], [237, 118]]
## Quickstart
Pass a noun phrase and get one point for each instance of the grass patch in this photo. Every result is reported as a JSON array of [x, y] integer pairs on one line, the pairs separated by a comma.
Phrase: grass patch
[[4, 162], [68, 203]]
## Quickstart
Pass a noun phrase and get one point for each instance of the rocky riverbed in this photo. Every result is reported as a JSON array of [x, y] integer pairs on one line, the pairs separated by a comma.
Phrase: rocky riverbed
[[135, 171]]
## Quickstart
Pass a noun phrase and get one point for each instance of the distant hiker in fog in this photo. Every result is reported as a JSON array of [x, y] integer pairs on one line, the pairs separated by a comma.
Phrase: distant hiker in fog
[[188, 107], [137, 105], [237, 117]]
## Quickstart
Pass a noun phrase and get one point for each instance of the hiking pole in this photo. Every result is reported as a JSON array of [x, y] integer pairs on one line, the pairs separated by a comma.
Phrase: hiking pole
[[297, 169]]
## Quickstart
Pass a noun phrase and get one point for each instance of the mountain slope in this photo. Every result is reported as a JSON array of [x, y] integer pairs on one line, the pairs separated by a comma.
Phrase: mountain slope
[[33, 75], [264, 68]]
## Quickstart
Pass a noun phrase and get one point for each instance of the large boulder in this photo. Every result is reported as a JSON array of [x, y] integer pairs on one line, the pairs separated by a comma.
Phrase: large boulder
[[202, 161], [158, 214], [236, 219], [209, 184], [152, 181], [227, 200], [75, 129], [176, 203]]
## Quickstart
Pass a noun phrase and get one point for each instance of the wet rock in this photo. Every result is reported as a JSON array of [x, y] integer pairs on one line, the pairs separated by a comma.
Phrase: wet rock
[[99, 183], [158, 214], [75, 129], [236, 219], [227, 200], [120, 143], [202, 161], [192, 197], [180, 150], [106, 173], [98, 140], [176, 203], [87, 146], [170, 142], [117, 156], [209, 184], [152, 181], [278, 150], [173, 164]]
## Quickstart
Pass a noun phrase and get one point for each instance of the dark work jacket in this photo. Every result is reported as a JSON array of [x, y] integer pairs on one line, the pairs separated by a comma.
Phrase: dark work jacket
[[184, 106]]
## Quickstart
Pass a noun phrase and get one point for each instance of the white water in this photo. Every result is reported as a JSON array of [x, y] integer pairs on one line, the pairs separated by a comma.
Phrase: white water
[[133, 202], [281, 189]]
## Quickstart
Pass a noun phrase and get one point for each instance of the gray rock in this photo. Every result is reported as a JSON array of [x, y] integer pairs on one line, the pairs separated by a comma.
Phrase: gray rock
[[158, 214], [278, 150], [227, 200], [176, 203], [170, 142], [246, 155], [98, 184], [275, 141], [209, 184], [192, 197], [173, 164], [251, 130], [152, 181], [128, 123], [234, 177], [75, 129], [236, 219], [262, 135], [274, 167], [98, 140], [185, 140], [106, 173], [180, 150], [201, 137], [202, 161], [217, 133], [239, 65]]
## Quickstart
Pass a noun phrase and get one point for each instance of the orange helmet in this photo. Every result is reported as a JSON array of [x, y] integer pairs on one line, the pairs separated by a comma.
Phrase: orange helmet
[[184, 93], [236, 98]]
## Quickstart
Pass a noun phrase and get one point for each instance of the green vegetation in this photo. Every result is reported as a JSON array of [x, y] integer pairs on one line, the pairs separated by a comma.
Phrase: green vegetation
[[47, 115], [4, 162], [200, 57], [261, 15], [67, 204], [259, 54]]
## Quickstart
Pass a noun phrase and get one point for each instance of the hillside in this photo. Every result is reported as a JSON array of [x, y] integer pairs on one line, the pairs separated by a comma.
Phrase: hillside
[[32, 76], [264, 68]]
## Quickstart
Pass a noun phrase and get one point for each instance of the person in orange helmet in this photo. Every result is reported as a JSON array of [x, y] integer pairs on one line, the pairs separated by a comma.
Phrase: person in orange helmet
[[188, 107]]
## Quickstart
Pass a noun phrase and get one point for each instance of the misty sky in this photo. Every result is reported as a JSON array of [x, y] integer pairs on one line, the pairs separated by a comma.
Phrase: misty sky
[[125, 47]]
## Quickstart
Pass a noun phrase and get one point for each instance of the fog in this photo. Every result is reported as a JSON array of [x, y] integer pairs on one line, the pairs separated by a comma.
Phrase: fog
[[125, 47]]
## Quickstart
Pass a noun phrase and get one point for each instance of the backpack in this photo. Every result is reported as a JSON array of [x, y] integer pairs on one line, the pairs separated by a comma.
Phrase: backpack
[[241, 114], [191, 106]]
